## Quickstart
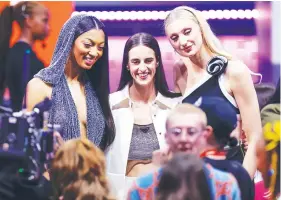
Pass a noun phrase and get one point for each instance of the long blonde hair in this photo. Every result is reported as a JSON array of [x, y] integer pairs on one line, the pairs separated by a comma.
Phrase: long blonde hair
[[211, 42]]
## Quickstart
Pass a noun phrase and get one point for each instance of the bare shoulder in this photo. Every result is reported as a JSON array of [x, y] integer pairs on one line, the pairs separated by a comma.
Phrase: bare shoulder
[[36, 84], [237, 68], [239, 77], [36, 91]]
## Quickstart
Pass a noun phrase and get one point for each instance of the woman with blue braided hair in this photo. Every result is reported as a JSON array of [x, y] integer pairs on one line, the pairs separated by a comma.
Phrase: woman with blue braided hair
[[77, 82], [208, 70]]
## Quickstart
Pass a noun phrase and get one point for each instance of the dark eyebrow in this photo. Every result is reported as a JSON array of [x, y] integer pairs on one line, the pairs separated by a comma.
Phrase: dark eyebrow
[[174, 34], [94, 42], [185, 29], [149, 58], [133, 59]]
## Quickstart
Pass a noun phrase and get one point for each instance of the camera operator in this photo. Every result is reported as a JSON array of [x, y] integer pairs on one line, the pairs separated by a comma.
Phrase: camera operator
[[27, 145], [14, 183]]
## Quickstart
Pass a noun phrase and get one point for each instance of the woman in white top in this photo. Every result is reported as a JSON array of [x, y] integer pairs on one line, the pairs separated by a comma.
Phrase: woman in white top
[[139, 109]]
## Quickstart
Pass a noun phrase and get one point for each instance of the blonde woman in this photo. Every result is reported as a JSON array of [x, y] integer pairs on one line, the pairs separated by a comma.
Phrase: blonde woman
[[210, 71]]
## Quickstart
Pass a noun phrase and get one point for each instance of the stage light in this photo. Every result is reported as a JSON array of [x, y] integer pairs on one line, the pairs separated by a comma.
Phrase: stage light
[[161, 15], [226, 14]]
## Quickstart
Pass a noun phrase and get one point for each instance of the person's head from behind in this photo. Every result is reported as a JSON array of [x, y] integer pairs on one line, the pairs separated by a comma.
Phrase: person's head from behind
[[34, 17], [221, 120], [184, 178], [188, 32], [78, 171], [186, 129], [142, 63]]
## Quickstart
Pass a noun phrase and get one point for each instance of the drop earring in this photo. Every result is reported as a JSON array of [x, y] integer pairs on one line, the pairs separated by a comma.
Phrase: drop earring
[[43, 45]]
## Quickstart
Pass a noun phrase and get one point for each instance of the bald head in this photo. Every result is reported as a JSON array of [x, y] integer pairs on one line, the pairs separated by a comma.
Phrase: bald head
[[186, 111]]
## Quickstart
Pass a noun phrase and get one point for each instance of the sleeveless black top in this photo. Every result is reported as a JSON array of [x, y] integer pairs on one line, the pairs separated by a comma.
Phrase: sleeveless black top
[[212, 87]]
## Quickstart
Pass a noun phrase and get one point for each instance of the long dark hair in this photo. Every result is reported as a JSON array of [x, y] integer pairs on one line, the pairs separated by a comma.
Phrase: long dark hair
[[99, 77], [188, 171], [8, 15], [160, 79]]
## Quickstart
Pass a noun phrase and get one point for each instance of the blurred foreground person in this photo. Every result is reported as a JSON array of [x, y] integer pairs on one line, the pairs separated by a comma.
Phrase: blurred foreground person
[[78, 172], [184, 177], [269, 157], [186, 129]]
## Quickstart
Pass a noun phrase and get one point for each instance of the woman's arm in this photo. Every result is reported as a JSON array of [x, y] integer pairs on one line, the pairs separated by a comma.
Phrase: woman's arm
[[36, 92], [242, 87]]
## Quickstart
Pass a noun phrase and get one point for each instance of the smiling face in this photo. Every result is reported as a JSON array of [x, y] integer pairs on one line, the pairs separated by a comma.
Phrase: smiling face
[[185, 36], [142, 65], [88, 48]]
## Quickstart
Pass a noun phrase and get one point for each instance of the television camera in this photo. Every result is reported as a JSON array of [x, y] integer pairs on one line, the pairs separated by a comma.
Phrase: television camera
[[27, 140]]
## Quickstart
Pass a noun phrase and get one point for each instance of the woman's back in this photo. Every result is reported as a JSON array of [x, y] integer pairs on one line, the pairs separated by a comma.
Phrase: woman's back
[[21, 65]]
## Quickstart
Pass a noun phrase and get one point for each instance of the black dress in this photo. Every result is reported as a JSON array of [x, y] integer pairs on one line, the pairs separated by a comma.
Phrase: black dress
[[21, 65], [212, 86]]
